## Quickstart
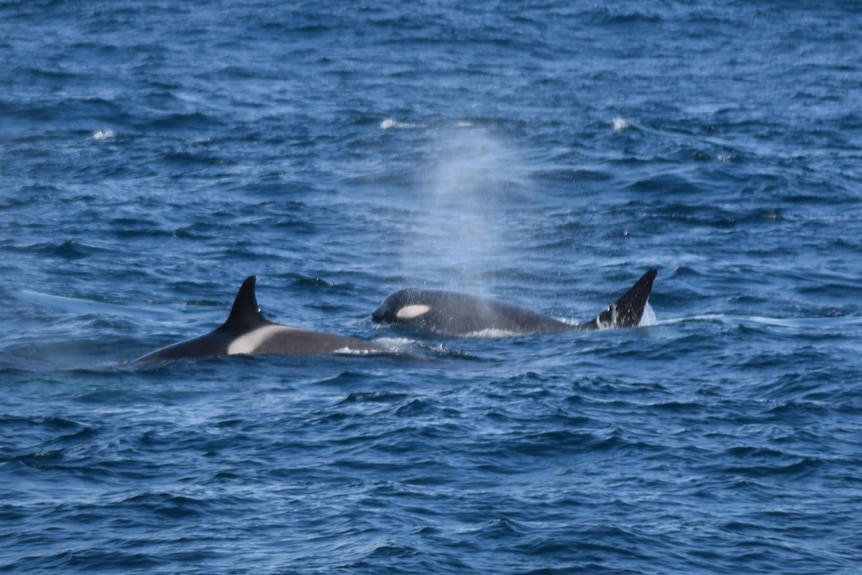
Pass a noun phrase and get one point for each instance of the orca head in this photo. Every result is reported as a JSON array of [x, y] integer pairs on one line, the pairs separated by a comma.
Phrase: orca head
[[402, 306]]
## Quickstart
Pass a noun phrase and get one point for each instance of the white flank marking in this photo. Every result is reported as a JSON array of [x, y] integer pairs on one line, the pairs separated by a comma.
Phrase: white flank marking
[[411, 311], [248, 343]]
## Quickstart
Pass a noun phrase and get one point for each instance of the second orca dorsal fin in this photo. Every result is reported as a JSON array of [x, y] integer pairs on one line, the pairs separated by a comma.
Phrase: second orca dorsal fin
[[245, 315], [628, 310]]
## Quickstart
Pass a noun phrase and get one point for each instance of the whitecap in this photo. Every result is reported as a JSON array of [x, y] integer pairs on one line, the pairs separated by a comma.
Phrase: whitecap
[[392, 123], [103, 134], [619, 124]]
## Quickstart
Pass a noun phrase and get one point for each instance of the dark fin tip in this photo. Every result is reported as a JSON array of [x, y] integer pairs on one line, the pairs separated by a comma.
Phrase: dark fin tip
[[245, 313], [628, 310]]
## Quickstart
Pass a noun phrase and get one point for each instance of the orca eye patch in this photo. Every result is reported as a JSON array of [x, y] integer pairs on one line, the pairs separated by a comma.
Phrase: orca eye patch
[[412, 311]]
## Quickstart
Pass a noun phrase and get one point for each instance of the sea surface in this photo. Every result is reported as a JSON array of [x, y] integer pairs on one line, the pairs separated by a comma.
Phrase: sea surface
[[544, 153]]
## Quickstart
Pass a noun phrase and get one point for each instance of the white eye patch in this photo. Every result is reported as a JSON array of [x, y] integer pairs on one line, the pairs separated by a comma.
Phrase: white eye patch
[[411, 311]]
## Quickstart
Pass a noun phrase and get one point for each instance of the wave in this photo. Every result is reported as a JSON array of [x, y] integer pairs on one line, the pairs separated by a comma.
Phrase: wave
[[393, 124]]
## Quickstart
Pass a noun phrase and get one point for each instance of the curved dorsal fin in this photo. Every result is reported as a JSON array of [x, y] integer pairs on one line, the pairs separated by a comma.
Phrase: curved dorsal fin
[[245, 314], [628, 310]]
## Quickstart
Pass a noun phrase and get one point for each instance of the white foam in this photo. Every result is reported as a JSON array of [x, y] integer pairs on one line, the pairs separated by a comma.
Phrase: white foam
[[103, 134], [392, 123], [493, 333], [648, 318], [394, 342], [619, 124], [350, 351]]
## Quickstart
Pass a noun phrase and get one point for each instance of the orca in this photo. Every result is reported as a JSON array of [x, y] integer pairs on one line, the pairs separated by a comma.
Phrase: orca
[[247, 332], [460, 315]]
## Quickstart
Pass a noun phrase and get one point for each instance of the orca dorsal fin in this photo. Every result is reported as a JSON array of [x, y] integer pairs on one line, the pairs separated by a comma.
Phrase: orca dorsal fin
[[245, 314], [628, 310]]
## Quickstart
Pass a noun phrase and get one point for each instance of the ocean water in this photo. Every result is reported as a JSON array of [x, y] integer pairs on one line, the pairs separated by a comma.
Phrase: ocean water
[[154, 154]]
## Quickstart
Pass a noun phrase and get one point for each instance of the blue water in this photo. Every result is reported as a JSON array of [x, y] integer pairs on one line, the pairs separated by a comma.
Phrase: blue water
[[154, 154]]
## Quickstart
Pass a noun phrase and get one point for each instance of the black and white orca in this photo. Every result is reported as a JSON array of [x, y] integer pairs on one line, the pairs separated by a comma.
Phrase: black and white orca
[[457, 314], [247, 332]]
